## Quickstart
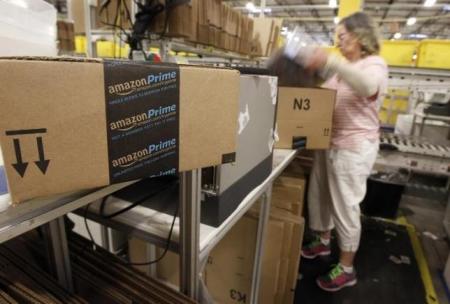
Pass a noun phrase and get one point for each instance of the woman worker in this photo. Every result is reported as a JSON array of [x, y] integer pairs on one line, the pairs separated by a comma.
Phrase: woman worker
[[338, 178]]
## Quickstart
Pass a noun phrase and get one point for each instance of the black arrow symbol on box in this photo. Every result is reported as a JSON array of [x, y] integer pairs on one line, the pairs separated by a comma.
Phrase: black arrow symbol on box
[[42, 163], [20, 166]]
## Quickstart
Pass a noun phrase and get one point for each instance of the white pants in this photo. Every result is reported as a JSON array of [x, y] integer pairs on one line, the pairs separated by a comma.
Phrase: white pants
[[337, 186]]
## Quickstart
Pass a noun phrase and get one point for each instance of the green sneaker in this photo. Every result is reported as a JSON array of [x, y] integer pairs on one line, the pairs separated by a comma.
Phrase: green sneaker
[[315, 248], [336, 279]]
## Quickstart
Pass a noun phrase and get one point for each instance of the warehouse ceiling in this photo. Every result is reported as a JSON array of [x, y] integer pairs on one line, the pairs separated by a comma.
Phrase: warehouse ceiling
[[317, 18]]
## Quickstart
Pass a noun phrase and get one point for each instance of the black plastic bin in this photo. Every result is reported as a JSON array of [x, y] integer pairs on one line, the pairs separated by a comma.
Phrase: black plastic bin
[[383, 196]]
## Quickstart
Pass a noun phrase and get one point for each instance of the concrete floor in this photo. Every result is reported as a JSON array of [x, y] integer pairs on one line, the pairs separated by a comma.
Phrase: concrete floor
[[427, 216]]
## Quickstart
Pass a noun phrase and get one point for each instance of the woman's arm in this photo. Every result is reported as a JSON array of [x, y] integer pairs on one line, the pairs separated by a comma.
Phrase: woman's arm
[[365, 82]]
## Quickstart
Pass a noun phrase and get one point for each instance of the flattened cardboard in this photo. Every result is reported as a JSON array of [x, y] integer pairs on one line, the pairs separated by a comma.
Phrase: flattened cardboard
[[305, 112], [55, 113]]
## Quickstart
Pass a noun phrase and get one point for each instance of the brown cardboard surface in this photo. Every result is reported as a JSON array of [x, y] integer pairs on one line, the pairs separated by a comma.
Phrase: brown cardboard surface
[[265, 34], [293, 104], [229, 270], [203, 12], [223, 88], [108, 14], [294, 262], [66, 98], [203, 34], [62, 97], [230, 264], [137, 252], [305, 112], [77, 8], [317, 133], [288, 194], [182, 22]]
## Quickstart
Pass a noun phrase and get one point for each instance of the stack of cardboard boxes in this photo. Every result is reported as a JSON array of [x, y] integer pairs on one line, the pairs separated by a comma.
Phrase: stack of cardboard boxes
[[181, 22], [229, 269], [208, 22], [66, 36], [266, 35], [228, 273]]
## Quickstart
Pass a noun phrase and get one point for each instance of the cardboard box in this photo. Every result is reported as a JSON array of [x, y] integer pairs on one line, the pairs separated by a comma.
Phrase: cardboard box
[[265, 35], [203, 34], [229, 270], [288, 194], [182, 22], [111, 14], [230, 264], [304, 113], [213, 13], [88, 123]]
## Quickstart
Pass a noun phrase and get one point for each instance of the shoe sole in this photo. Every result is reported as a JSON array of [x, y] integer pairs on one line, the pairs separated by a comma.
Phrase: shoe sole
[[310, 257], [348, 284]]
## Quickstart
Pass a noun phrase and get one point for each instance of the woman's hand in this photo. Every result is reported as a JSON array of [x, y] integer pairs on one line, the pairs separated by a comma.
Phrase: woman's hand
[[316, 59]]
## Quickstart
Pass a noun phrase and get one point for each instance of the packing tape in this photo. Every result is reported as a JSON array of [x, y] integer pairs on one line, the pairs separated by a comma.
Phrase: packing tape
[[271, 142], [244, 118], [273, 81], [275, 133]]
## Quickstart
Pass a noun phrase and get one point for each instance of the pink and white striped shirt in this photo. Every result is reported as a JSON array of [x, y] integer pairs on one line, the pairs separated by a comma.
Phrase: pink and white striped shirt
[[355, 118]]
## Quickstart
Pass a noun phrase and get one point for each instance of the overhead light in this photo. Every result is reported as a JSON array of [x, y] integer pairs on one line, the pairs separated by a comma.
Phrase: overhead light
[[250, 6], [411, 21], [303, 44], [253, 9], [398, 35], [418, 36], [429, 3], [332, 3], [336, 20]]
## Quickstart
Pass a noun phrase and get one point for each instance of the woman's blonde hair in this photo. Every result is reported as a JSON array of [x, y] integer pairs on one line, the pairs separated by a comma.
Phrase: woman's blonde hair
[[363, 27]]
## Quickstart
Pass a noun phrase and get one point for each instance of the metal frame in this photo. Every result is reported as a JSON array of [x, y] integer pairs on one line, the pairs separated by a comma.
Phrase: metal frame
[[58, 252], [193, 255], [190, 196]]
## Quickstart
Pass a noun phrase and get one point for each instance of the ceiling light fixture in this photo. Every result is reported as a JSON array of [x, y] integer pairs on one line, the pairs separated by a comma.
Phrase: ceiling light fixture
[[411, 21], [250, 6], [336, 20], [332, 3], [398, 35], [418, 36], [429, 3]]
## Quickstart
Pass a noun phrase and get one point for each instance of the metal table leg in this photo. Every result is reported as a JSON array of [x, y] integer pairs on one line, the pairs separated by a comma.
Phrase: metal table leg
[[190, 195], [259, 251], [58, 252]]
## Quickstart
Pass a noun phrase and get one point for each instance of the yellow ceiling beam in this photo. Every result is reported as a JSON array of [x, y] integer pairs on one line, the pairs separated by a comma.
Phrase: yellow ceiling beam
[[348, 7]]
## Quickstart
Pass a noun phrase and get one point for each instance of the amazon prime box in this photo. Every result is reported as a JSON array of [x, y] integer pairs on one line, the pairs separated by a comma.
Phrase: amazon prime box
[[70, 124]]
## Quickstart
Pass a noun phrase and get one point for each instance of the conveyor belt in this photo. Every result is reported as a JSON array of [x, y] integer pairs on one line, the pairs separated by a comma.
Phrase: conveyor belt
[[413, 153], [416, 145]]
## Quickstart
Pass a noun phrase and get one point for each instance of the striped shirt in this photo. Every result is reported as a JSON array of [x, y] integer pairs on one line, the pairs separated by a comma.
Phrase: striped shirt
[[355, 118]]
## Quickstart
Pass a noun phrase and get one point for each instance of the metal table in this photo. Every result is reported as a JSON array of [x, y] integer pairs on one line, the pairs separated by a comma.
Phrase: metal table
[[154, 226]]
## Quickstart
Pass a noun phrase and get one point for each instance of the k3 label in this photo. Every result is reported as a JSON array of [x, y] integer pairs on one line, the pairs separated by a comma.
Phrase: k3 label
[[302, 104]]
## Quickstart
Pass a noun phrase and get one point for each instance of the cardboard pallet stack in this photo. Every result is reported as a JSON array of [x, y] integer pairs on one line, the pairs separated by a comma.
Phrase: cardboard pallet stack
[[66, 36], [208, 22], [228, 272], [181, 21], [265, 36]]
